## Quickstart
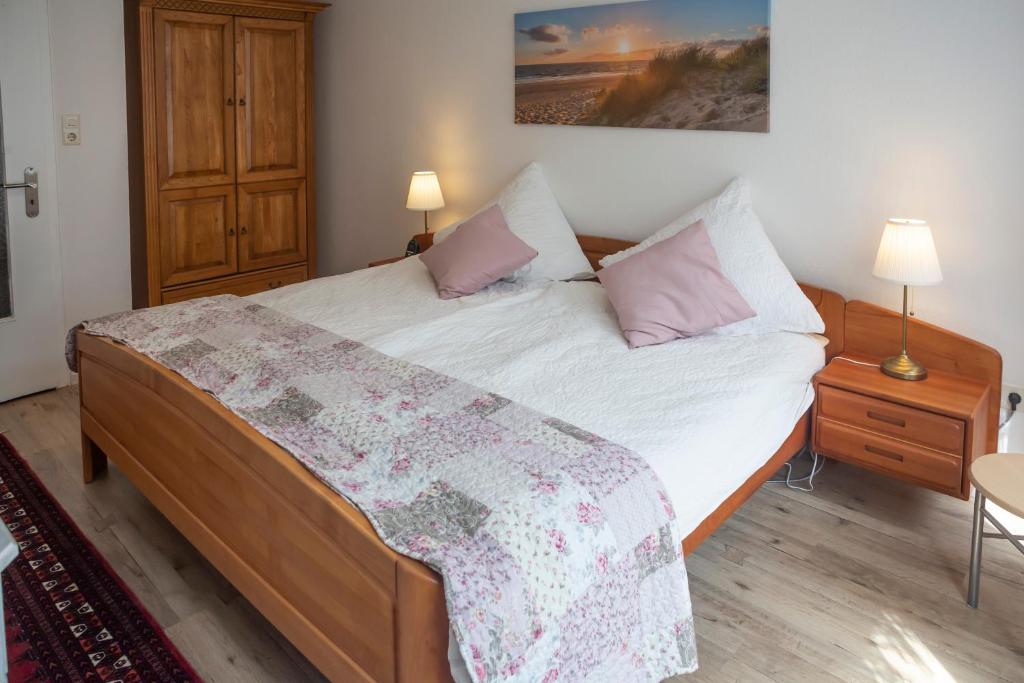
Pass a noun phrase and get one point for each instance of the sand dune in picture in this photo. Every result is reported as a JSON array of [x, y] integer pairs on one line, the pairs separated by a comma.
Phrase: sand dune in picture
[[693, 87]]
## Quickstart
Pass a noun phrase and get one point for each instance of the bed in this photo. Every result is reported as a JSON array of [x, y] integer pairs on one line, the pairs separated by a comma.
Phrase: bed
[[311, 562]]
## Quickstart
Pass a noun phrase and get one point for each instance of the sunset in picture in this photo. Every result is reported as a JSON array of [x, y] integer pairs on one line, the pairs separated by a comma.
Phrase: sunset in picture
[[680, 64]]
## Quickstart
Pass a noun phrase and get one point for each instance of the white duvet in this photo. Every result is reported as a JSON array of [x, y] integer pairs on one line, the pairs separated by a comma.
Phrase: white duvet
[[704, 412]]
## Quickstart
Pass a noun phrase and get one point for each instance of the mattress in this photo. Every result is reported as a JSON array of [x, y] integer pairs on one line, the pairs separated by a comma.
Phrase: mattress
[[705, 412]]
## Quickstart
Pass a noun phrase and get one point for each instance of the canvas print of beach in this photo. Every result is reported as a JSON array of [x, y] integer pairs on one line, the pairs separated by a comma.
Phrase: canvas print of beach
[[681, 64]]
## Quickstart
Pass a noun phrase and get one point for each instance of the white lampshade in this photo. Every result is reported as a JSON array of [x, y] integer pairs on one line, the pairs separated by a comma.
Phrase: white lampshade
[[907, 254], [425, 192]]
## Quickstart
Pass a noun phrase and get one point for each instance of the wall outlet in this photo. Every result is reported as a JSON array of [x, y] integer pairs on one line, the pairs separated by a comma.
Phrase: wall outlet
[[71, 128], [1011, 436]]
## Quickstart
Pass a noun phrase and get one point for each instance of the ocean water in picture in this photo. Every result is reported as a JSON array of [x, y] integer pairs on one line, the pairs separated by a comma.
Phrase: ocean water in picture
[[526, 73], [680, 64]]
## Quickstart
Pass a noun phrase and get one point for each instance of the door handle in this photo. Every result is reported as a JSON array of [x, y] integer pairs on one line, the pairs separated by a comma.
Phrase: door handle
[[31, 187]]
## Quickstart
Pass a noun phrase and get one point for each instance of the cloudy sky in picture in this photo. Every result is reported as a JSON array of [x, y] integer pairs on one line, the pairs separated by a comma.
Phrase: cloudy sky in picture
[[635, 30]]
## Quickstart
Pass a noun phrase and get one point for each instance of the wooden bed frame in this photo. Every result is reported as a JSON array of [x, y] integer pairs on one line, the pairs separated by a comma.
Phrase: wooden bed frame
[[307, 559]]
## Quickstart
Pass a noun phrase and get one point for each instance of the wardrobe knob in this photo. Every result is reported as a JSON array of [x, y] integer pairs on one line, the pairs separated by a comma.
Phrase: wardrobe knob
[[244, 231], [231, 101], [241, 101], [231, 232]]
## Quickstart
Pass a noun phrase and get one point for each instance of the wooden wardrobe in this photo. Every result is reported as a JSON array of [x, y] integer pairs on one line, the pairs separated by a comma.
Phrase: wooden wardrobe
[[220, 137]]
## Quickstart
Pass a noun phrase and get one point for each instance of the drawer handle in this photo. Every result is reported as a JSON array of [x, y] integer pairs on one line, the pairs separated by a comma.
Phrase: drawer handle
[[885, 454], [886, 418]]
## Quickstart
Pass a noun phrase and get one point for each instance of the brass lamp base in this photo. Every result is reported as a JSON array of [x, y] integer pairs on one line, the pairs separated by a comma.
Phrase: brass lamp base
[[904, 367]]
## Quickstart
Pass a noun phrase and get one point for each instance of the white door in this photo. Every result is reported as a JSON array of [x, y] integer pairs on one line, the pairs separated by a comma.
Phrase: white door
[[31, 303]]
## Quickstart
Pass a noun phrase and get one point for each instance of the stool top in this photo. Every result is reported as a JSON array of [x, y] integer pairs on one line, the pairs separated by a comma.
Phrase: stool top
[[1000, 477]]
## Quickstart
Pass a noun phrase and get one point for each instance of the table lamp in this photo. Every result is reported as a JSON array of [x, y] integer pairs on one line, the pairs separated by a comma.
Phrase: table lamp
[[425, 195], [907, 256]]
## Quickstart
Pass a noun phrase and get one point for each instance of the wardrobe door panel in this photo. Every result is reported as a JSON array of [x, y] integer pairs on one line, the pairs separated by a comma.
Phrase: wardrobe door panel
[[270, 84], [271, 224], [194, 84], [197, 234]]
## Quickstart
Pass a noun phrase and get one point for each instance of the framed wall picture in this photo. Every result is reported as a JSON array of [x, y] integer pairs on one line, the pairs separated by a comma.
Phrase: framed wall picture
[[678, 64]]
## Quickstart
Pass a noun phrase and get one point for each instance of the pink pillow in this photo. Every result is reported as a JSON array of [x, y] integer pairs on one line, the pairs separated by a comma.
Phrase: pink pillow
[[480, 251], [674, 289]]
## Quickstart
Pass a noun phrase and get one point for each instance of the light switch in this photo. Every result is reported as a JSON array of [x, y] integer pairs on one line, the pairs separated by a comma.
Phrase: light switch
[[71, 125]]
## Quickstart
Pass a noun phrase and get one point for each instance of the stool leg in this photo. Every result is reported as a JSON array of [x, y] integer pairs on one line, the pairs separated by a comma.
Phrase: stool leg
[[976, 539]]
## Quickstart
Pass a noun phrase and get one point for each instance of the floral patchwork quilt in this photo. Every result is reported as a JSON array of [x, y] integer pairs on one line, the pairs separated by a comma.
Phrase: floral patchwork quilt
[[560, 551]]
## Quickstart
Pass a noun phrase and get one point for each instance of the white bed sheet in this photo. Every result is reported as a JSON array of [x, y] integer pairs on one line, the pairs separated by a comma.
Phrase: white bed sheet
[[705, 412]]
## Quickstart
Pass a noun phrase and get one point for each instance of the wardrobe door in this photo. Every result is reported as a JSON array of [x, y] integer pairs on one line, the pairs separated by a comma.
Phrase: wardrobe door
[[197, 234], [271, 224], [270, 84], [194, 86]]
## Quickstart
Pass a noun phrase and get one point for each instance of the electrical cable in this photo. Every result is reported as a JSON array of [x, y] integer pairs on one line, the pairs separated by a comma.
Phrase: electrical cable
[[818, 463], [817, 466], [856, 362]]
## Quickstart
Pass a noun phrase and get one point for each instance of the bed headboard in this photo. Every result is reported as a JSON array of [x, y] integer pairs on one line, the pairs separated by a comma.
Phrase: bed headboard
[[831, 307]]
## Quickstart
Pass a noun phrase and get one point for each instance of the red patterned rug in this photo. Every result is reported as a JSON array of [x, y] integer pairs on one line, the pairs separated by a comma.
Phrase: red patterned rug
[[68, 616]]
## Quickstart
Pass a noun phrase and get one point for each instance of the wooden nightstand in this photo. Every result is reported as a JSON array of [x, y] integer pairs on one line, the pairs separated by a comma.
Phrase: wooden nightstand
[[425, 240], [926, 433], [385, 261]]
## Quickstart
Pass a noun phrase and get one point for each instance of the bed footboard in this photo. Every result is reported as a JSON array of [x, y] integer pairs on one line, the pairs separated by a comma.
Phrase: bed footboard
[[309, 561]]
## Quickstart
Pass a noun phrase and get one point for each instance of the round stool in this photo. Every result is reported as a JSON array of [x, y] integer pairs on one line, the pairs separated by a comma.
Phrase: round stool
[[998, 477]]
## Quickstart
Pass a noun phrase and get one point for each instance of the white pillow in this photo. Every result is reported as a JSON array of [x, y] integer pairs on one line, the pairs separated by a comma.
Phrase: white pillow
[[749, 260], [533, 215]]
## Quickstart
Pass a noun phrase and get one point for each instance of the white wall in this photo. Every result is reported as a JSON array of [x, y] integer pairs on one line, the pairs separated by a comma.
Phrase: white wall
[[879, 108], [87, 69]]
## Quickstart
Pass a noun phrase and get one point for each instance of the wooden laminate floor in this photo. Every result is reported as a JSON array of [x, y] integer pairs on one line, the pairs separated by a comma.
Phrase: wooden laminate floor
[[862, 580]]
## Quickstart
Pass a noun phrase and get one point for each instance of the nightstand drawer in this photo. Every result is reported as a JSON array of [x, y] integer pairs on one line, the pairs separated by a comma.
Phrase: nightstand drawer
[[909, 424], [880, 453]]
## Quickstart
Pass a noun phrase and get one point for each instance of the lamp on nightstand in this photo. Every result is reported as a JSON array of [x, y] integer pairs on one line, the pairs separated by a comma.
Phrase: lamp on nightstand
[[907, 256], [425, 195]]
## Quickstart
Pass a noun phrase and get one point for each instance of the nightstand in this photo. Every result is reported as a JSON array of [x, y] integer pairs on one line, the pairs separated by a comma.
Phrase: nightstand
[[385, 261], [424, 240], [926, 433]]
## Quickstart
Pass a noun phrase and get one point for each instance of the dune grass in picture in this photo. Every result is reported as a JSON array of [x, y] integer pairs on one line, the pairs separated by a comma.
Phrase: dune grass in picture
[[678, 64]]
